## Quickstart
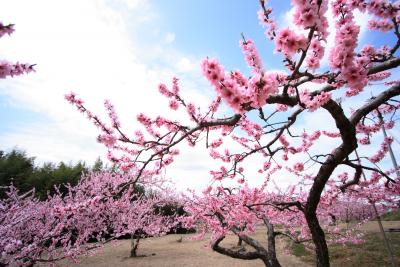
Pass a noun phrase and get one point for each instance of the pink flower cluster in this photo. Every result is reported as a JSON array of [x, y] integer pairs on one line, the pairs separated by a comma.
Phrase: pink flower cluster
[[364, 141], [342, 56], [107, 137], [235, 89], [112, 114], [267, 22], [332, 134], [309, 14], [220, 211], [368, 129], [225, 157], [386, 109], [315, 102], [383, 151], [243, 141], [217, 143], [384, 8], [251, 55], [108, 140], [288, 42], [379, 76], [10, 69], [315, 54], [227, 88], [395, 82], [298, 167], [221, 173], [174, 96], [260, 87], [383, 25], [253, 129], [307, 141]]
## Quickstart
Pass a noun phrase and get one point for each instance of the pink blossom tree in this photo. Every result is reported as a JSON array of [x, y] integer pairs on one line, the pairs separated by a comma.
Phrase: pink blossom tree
[[282, 99], [61, 226], [102, 206], [241, 210]]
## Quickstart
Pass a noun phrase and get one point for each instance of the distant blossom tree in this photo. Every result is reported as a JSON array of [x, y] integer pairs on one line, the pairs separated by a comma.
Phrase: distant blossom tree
[[62, 225], [102, 206], [281, 99]]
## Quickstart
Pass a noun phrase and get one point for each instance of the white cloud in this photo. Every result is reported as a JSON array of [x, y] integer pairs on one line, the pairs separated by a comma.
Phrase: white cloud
[[169, 37], [50, 143], [86, 47], [185, 65], [132, 4]]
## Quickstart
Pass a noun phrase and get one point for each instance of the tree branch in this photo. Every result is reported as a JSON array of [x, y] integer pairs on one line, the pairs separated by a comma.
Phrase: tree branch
[[237, 254]]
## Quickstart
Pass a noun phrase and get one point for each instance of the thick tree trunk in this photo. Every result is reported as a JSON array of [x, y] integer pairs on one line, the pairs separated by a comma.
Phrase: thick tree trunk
[[273, 261], [268, 256], [134, 246], [319, 240], [240, 242], [348, 133]]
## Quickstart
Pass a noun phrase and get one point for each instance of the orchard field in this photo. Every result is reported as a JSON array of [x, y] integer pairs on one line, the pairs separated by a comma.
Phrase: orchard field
[[286, 157], [180, 250]]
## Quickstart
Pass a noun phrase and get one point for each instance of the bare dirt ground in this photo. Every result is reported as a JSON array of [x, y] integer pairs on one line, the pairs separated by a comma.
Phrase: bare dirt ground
[[171, 253], [168, 252], [373, 226]]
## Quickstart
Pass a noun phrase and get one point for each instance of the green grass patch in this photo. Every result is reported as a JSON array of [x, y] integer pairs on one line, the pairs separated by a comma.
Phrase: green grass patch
[[372, 253], [391, 216], [298, 250]]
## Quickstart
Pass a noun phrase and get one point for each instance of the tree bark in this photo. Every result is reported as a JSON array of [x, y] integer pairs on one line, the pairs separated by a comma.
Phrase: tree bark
[[318, 237], [268, 256], [271, 243], [134, 246], [270, 262], [240, 242], [347, 131]]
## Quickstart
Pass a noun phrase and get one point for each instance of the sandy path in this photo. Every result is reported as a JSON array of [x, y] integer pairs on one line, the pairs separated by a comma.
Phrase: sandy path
[[170, 253]]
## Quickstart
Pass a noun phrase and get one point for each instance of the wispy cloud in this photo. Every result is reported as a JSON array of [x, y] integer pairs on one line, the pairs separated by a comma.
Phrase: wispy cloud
[[169, 37], [87, 47]]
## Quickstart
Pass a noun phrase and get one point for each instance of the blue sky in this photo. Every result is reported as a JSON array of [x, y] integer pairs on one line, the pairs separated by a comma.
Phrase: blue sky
[[213, 27], [121, 50]]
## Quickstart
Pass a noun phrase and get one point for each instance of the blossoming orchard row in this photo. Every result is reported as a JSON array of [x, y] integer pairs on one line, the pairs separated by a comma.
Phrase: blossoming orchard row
[[268, 109]]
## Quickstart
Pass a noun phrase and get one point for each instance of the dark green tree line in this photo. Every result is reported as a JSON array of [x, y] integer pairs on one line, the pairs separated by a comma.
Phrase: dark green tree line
[[18, 168]]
